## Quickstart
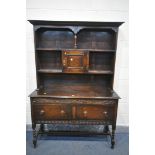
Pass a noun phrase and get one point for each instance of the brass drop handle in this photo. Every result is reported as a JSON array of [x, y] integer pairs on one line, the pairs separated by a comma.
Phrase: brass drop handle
[[85, 113], [62, 112], [42, 112], [105, 113]]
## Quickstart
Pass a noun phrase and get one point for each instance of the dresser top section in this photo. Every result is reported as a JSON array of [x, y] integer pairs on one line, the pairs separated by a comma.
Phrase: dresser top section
[[76, 23]]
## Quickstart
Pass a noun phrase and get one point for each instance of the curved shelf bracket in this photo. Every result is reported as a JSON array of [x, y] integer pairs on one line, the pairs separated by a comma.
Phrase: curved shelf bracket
[[115, 29], [36, 28], [75, 29]]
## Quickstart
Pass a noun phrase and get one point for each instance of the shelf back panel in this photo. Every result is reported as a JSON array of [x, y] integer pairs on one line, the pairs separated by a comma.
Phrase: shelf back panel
[[101, 61], [49, 60], [49, 81], [96, 39], [54, 38]]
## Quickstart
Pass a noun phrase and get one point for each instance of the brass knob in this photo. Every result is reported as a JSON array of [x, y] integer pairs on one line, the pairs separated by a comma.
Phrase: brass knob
[[71, 59], [85, 112], [105, 112], [62, 111], [42, 112]]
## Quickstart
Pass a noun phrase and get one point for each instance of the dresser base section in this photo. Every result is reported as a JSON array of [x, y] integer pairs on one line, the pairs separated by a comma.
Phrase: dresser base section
[[73, 112]]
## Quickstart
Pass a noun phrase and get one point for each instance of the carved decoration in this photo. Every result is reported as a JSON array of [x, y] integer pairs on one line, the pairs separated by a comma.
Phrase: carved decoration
[[75, 101], [78, 122]]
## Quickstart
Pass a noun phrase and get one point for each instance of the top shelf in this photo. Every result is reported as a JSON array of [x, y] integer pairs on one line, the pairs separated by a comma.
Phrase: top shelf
[[62, 49]]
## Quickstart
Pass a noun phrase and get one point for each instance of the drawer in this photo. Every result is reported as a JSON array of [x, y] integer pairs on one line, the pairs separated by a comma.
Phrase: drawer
[[94, 112], [45, 100], [51, 112]]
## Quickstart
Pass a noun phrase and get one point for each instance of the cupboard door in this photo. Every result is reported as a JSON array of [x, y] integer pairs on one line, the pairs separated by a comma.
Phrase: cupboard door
[[75, 61]]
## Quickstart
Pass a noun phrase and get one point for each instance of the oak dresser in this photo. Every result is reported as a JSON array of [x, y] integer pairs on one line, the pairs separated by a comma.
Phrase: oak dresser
[[75, 63]]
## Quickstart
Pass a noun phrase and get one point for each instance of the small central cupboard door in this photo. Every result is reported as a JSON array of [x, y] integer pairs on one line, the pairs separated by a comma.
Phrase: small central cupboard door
[[75, 61]]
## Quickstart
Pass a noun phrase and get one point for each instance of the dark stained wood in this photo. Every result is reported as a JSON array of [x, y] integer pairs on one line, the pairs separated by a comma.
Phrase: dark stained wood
[[94, 112], [76, 91], [54, 38], [86, 72], [50, 60], [75, 63], [52, 111], [96, 39], [101, 61], [75, 23], [84, 49], [75, 83]]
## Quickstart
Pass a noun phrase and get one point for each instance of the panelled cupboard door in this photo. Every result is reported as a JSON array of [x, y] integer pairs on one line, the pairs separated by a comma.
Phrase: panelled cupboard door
[[75, 61]]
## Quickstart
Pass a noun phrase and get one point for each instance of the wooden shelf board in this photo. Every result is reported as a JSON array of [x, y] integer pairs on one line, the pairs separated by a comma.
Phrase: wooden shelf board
[[76, 90], [100, 71], [89, 71], [63, 49], [50, 70]]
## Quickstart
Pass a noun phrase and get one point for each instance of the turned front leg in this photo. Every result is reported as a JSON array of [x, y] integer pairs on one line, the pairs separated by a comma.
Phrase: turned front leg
[[34, 135], [106, 129], [113, 136], [42, 127]]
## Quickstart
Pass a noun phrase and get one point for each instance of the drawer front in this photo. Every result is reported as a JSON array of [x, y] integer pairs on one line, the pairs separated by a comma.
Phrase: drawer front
[[51, 112], [45, 101], [48, 109], [95, 112]]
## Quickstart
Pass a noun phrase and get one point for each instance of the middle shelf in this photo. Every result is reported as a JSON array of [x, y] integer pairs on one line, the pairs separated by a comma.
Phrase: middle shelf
[[61, 71], [75, 61]]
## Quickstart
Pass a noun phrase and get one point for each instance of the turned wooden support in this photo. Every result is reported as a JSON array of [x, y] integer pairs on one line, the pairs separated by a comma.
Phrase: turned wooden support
[[113, 136], [42, 127], [75, 41], [106, 129], [34, 135]]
